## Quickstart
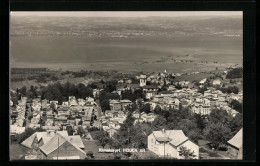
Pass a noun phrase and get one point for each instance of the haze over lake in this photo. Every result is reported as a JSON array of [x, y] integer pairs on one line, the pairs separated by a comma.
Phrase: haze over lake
[[126, 43]]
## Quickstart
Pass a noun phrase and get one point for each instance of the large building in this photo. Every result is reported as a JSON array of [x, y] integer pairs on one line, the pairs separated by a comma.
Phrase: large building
[[167, 143]]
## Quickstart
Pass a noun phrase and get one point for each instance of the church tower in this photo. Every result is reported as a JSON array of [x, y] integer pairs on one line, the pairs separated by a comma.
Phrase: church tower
[[142, 80]]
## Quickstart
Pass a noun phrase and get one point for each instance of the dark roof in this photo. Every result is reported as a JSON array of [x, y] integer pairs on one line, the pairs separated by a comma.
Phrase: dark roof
[[133, 86], [150, 87], [166, 92]]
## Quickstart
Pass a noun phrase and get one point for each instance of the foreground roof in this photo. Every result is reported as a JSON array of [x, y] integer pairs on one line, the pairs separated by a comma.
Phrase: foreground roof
[[28, 142], [237, 140], [175, 137], [59, 140]]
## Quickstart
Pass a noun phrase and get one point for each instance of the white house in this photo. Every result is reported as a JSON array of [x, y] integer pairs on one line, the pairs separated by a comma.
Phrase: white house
[[168, 143]]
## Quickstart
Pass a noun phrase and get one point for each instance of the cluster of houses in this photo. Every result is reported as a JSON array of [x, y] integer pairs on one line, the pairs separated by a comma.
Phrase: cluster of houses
[[55, 143], [17, 120], [185, 97], [112, 119], [49, 115]]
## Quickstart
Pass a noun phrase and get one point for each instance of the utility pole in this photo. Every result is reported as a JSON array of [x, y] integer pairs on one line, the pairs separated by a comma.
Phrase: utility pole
[[164, 149], [58, 149], [128, 135]]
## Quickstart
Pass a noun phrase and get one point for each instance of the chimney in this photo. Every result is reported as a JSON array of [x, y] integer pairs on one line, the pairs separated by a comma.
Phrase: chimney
[[163, 130]]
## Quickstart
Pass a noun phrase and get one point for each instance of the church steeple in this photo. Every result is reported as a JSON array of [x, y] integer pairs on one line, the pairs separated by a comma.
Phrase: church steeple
[[142, 80]]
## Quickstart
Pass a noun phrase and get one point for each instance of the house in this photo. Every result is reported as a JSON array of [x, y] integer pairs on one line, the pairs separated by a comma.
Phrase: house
[[34, 125], [90, 100], [136, 115], [115, 105], [216, 82], [32, 142], [14, 129], [235, 145], [203, 81], [89, 137], [119, 105], [125, 104], [111, 131], [72, 101], [150, 88], [142, 80], [201, 109], [61, 147], [168, 143]]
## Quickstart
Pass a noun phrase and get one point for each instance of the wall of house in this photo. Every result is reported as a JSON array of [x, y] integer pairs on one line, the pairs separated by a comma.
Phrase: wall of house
[[171, 151], [235, 152], [151, 145], [192, 146], [155, 146], [65, 150]]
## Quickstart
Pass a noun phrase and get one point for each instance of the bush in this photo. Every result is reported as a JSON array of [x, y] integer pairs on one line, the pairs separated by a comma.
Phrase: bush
[[54, 78], [235, 73], [90, 154]]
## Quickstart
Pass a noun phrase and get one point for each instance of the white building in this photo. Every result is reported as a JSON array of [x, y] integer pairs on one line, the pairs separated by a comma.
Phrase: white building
[[168, 143]]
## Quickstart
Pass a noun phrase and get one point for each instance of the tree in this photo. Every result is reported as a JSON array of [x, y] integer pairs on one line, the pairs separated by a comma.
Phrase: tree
[[199, 119], [102, 137], [217, 134], [142, 131], [105, 105], [145, 108], [81, 131], [23, 91], [186, 153], [235, 73], [90, 154], [159, 123], [219, 116], [157, 109], [69, 130], [189, 128], [237, 106], [236, 123], [26, 134]]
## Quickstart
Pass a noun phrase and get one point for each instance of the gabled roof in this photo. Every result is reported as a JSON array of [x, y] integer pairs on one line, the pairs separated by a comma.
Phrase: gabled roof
[[28, 142], [56, 142], [133, 86], [166, 92], [150, 87], [237, 140], [45, 139], [175, 137], [160, 136], [76, 140]]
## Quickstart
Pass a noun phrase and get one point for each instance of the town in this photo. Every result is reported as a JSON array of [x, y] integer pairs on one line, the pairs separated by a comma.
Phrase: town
[[196, 119]]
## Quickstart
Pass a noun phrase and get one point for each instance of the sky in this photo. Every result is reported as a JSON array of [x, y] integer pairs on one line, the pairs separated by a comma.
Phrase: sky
[[130, 14]]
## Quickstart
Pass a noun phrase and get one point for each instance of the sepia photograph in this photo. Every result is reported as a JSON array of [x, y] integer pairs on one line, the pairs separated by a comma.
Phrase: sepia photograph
[[126, 85]]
